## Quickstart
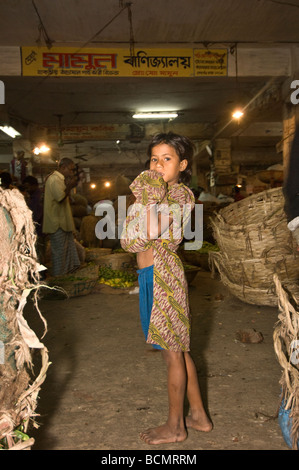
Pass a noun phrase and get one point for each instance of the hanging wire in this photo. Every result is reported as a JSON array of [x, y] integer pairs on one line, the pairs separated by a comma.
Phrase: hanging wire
[[132, 42], [279, 2], [49, 42], [237, 77], [234, 51], [42, 30], [127, 5]]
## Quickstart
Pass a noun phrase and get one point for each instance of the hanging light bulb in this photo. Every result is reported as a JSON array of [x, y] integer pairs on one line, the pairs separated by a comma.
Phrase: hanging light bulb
[[238, 114], [43, 148]]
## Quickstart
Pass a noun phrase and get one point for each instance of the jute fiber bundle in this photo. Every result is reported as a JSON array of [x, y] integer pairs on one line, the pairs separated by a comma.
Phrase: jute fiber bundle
[[286, 341], [19, 277], [255, 243]]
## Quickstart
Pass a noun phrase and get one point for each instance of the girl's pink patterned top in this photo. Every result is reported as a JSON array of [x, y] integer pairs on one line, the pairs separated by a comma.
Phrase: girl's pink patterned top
[[170, 316]]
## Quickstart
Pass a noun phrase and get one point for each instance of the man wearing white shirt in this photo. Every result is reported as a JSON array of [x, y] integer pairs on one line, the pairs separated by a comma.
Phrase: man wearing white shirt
[[58, 219]]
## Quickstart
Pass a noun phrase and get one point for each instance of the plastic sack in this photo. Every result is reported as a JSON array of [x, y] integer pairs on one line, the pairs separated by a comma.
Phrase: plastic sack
[[285, 423]]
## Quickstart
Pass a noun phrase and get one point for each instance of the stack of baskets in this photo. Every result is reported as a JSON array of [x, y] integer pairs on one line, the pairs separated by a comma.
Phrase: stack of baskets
[[286, 345], [255, 243]]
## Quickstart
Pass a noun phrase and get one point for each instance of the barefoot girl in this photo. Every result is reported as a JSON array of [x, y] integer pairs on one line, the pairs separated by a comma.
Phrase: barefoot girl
[[164, 307]]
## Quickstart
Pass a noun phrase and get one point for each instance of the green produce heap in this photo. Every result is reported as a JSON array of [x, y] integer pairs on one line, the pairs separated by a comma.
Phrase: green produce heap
[[206, 247], [116, 278]]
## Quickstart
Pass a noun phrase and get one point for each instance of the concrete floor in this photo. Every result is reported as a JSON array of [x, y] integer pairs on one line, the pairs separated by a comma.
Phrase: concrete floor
[[105, 385]]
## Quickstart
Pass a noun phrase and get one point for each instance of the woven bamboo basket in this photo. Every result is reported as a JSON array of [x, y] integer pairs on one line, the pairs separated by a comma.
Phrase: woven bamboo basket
[[77, 288], [94, 255], [251, 295], [255, 239], [76, 284], [255, 243], [286, 338], [258, 273], [253, 209], [118, 261]]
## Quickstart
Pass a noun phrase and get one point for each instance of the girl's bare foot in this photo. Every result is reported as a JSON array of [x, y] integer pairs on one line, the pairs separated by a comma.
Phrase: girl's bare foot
[[163, 435], [200, 423]]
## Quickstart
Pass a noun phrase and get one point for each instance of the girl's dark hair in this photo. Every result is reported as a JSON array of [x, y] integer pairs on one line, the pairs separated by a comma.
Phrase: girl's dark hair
[[183, 147]]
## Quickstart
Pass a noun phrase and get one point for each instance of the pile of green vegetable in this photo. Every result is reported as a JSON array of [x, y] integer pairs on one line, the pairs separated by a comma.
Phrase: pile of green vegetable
[[116, 278], [17, 436], [206, 247]]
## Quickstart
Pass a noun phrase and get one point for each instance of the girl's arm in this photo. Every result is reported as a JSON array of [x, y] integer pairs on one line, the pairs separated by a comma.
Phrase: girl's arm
[[157, 223], [149, 188]]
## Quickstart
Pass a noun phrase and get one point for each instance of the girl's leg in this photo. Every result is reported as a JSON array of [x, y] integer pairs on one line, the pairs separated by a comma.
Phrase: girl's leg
[[174, 428], [198, 418]]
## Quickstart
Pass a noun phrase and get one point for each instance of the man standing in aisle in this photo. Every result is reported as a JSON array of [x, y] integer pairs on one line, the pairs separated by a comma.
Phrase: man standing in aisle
[[58, 219]]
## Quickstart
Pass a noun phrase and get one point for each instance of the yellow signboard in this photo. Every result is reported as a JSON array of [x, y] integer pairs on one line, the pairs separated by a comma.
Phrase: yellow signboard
[[94, 62], [209, 62]]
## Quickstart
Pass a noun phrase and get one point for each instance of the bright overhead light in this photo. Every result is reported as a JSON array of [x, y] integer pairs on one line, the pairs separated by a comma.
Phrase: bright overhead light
[[161, 115], [10, 131], [42, 149], [238, 114]]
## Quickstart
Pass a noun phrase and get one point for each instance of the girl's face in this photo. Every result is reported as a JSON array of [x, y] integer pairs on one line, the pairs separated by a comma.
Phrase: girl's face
[[166, 161]]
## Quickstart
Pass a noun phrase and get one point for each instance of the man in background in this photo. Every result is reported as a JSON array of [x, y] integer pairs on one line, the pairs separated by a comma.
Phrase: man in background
[[34, 198], [58, 219]]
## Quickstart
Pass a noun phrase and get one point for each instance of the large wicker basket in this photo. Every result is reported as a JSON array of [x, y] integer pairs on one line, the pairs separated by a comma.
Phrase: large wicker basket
[[255, 243], [79, 283], [253, 226], [254, 208], [118, 261], [94, 255], [286, 337], [258, 295]]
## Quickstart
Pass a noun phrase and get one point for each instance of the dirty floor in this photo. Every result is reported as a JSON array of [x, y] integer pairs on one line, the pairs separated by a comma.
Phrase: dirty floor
[[105, 385]]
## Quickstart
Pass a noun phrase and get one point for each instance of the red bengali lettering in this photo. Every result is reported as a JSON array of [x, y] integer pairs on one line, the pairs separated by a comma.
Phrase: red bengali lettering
[[87, 61]]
